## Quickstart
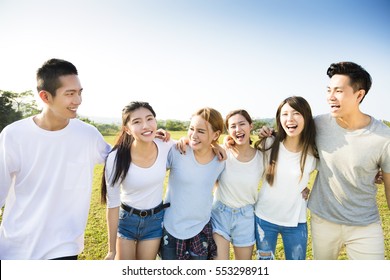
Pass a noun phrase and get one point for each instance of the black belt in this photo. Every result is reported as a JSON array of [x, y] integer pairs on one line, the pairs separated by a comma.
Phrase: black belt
[[144, 213]]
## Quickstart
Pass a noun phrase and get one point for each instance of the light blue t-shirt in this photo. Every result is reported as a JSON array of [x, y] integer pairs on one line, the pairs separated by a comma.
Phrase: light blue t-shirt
[[190, 189]]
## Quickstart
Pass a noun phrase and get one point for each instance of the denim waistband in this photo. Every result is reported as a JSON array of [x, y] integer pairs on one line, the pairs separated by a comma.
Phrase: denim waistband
[[218, 204]]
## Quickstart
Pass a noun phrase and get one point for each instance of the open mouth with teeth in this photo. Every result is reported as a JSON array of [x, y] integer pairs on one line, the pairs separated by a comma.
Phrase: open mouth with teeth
[[147, 133], [291, 127], [334, 108], [240, 136]]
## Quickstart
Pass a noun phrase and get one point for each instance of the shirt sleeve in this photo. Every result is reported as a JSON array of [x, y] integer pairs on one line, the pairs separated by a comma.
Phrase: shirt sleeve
[[8, 165], [102, 148], [113, 190], [170, 157], [385, 158]]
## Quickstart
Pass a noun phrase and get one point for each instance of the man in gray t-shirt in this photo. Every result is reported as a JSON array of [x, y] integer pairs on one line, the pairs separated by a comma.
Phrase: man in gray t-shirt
[[352, 147]]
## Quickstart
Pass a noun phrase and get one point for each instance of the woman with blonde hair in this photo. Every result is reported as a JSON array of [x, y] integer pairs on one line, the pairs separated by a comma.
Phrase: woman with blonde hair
[[187, 226]]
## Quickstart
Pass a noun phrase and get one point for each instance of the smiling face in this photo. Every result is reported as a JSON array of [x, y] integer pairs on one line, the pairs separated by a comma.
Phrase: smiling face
[[67, 99], [292, 121], [239, 129], [342, 98], [142, 125], [201, 134]]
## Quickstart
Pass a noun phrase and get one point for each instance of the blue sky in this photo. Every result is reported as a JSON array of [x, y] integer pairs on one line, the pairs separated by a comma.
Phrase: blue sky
[[181, 55]]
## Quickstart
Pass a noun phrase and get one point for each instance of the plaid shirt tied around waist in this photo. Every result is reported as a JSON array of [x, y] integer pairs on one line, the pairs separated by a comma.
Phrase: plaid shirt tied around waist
[[201, 245]]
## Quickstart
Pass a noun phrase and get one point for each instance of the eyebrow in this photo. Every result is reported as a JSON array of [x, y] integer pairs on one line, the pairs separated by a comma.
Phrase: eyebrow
[[199, 129], [240, 122], [147, 116], [74, 90]]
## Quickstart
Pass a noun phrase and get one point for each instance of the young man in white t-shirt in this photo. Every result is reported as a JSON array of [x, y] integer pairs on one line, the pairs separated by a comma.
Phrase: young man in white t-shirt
[[46, 170]]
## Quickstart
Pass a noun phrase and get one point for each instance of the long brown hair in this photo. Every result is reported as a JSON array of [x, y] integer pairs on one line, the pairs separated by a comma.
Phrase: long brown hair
[[307, 138], [122, 146]]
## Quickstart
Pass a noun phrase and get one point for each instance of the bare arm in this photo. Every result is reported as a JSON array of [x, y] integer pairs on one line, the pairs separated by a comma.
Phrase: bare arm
[[182, 144], [217, 149], [219, 152], [112, 216], [386, 181]]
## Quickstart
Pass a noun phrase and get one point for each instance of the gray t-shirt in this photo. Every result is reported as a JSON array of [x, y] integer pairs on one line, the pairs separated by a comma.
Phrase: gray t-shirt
[[344, 191]]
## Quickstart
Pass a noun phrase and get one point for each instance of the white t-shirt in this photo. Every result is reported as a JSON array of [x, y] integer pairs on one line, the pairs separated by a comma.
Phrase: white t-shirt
[[239, 182], [142, 188], [282, 203], [46, 183]]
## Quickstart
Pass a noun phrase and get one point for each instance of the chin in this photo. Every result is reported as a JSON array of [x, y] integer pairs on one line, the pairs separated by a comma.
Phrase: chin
[[335, 115], [195, 147], [241, 143], [72, 115]]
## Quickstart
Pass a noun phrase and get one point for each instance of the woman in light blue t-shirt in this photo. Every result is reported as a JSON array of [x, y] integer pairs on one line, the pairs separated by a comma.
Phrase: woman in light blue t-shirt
[[187, 226]]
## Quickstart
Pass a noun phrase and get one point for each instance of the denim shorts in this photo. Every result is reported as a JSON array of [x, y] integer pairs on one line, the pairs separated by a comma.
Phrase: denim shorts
[[134, 227], [236, 225]]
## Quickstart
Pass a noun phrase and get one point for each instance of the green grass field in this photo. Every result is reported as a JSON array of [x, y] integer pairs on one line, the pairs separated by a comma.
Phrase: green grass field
[[96, 231]]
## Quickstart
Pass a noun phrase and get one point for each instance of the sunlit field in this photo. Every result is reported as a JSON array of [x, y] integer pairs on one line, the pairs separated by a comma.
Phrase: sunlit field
[[96, 232]]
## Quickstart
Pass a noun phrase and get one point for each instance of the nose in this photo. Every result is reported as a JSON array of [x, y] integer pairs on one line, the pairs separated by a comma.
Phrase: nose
[[331, 95], [145, 124], [194, 134], [77, 99]]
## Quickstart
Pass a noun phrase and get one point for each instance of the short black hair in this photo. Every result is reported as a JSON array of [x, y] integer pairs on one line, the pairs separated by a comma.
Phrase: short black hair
[[359, 77], [48, 75]]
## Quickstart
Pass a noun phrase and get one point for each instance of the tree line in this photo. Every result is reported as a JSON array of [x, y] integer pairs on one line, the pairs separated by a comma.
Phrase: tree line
[[169, 125], [15, 106]]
